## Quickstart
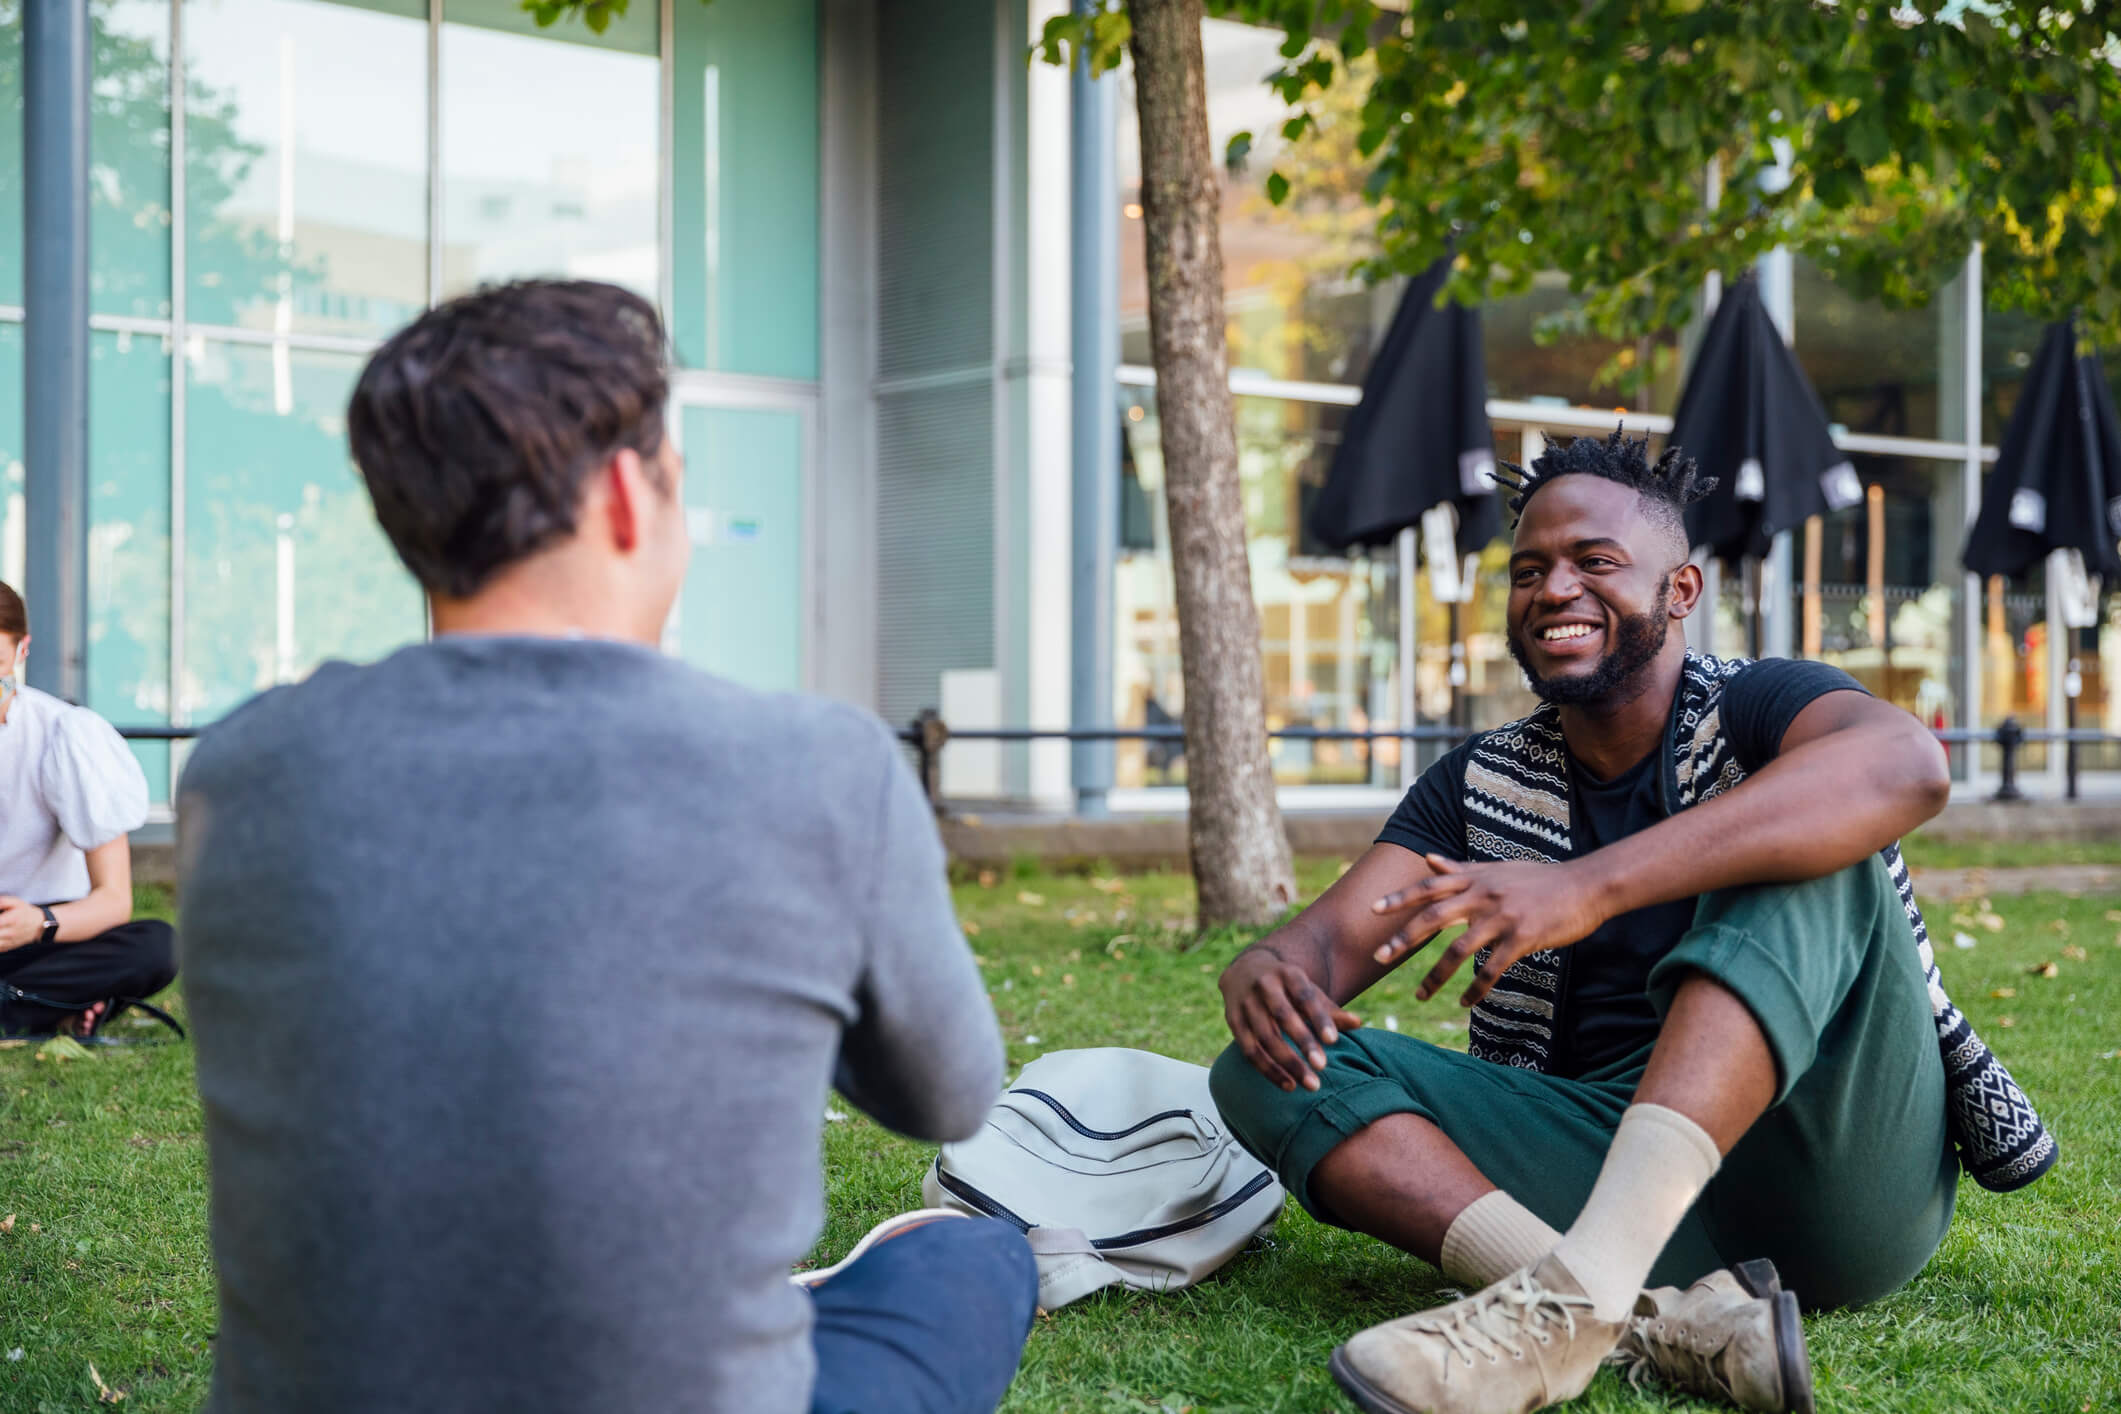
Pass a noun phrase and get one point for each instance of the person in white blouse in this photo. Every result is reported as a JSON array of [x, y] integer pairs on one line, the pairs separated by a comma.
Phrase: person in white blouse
[[71, 792]]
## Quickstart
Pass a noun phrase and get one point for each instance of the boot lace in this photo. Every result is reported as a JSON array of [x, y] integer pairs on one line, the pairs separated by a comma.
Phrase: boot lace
[[1500, 1319], [1673, 1353]]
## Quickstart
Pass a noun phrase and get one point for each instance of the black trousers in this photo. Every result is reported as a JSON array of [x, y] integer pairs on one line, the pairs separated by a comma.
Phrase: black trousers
[[136, 959]]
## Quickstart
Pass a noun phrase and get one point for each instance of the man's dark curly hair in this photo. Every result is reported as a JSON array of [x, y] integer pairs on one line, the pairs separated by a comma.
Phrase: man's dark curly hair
[[1667, 487]]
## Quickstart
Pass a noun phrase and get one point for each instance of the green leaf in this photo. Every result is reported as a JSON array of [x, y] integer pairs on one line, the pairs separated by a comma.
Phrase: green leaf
[[1235, 153], [1277, 188]]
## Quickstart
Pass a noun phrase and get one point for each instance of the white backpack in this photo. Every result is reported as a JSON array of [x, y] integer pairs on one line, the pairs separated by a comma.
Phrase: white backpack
[[1117, 1168]]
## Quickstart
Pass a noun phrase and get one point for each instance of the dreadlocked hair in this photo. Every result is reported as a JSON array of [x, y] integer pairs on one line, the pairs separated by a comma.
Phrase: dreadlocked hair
[[1672, 481]]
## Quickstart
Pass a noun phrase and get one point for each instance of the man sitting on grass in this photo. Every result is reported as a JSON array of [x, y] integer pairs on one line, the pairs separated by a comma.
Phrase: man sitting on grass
[[1705, 1028], [523, 962]]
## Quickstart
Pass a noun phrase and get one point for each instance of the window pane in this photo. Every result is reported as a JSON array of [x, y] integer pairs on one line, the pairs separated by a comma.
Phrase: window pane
[[741, 612], [1528, 361], [549, 157], [129, 215], [128, 539], [10, 152], [746, 202], [1293, 310], [285, 566], [306, 195], [1875, 368], [13, 525], [1329, 623], [1879, 586]]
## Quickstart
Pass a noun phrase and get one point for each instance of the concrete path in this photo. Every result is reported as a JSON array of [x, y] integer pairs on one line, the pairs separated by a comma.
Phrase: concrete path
[[1954, 884]]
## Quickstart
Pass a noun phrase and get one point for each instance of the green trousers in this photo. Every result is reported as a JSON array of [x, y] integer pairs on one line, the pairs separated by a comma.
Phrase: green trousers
[[1846, 1182]]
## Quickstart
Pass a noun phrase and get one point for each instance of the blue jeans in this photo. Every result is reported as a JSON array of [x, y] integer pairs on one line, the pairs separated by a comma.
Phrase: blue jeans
[[932, 1321]]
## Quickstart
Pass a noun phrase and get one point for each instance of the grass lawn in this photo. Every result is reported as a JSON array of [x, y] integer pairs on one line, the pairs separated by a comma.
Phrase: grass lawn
[[105, 1263]]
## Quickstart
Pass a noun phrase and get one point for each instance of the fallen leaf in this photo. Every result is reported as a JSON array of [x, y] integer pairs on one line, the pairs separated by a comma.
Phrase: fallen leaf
[[7, 1224], [1031, 900], [1108, 885], [1075, 954], [1067, 979], [986, 878], [104, 1393], [1992, 922], [15, 1044], [1207, 967], [1119, 940], [2059, 925], [2113, 915], [2006, 1022], [971, 928], [1037, 971], [2043, 969], [1965, 940], [64, 1048], [2002, 992], [2076, 954], [36, 1227]]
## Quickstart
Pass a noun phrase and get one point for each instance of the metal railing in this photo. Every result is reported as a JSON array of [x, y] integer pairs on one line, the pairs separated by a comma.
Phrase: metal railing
[[928, 734]]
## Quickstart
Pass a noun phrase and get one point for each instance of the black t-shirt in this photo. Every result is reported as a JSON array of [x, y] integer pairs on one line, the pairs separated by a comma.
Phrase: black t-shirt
[[1606, 976]]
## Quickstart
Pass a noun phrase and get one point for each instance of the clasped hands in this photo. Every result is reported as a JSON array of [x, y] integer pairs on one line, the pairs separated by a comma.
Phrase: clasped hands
[[1281, 1019]]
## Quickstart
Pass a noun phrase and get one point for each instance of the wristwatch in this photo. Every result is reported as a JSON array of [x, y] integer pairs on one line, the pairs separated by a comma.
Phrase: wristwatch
[[51, 924]]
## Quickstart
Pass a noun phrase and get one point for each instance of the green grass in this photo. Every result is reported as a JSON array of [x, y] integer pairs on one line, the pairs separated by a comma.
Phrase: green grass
[[2019, 1311], [2008, 854]]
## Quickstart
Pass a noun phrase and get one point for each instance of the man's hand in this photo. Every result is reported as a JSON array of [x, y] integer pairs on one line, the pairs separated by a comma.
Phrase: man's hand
[[1269, 1004], [1518, 908], [20, 922]]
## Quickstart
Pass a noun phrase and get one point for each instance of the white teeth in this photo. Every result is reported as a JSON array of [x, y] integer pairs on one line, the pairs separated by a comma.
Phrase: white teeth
[[1567, 631]]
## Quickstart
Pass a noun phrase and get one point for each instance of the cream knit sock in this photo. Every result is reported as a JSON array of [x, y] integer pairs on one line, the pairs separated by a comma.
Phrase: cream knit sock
[[1491, 1237], [1659, 1163]]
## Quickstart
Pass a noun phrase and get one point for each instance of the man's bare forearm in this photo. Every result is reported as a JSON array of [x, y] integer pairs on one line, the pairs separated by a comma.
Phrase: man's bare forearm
[[1816, 809]]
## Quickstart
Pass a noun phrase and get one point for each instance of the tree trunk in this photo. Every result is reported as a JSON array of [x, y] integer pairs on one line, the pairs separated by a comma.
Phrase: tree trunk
[[1240, 855]]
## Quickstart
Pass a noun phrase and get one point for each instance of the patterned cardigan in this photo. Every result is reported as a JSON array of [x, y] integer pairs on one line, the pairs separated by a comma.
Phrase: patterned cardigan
[[1517, 807]]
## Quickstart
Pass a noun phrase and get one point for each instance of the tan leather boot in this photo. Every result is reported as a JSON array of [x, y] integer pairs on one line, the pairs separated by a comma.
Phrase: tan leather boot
[[1734, 1335], [1526, 1342]]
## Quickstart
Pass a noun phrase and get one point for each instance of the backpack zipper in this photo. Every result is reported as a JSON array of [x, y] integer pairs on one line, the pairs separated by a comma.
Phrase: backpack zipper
[[993, 1209], [1087, 1132]]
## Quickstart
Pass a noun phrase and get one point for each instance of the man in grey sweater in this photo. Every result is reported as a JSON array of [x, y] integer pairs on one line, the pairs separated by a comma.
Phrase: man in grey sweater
[[523, 961]]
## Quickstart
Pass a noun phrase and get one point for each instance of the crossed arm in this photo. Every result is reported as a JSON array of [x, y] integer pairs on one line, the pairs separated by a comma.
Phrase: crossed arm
[[1853, 774], [108, 903]]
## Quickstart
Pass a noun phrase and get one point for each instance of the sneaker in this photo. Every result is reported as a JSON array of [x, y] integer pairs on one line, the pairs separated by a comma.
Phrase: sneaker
[[1526, 1342], [1734, 1335], [883, 1231]]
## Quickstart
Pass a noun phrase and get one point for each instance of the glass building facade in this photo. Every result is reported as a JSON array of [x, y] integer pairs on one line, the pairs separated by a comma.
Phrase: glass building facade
[[855, 216], [277, 185], [1875, 589]]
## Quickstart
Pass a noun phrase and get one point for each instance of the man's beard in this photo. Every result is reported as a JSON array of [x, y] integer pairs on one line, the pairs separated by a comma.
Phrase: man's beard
[[1639, 638]]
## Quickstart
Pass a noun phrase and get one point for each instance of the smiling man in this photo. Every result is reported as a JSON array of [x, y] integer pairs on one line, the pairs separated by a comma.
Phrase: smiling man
[[1705, 1023]]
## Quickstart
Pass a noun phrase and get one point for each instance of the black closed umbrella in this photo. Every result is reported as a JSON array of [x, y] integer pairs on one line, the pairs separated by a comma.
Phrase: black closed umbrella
[[1419, 438], [2057, 480], [1750, 418]]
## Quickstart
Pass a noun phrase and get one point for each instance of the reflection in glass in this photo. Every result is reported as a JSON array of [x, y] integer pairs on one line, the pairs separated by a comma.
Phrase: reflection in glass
[[1329, 630], [1878, 586], [128, 539], [285, 566], [13, 522], [1875, 368], [741, 612], [306, 170], [129, 214], [10, 153], [549, 157], [1527, 361], [746, 201]]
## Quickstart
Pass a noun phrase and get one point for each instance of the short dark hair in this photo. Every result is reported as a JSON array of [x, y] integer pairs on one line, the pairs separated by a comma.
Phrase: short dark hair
[[14, 614], [1667, 487], [476, 426]]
